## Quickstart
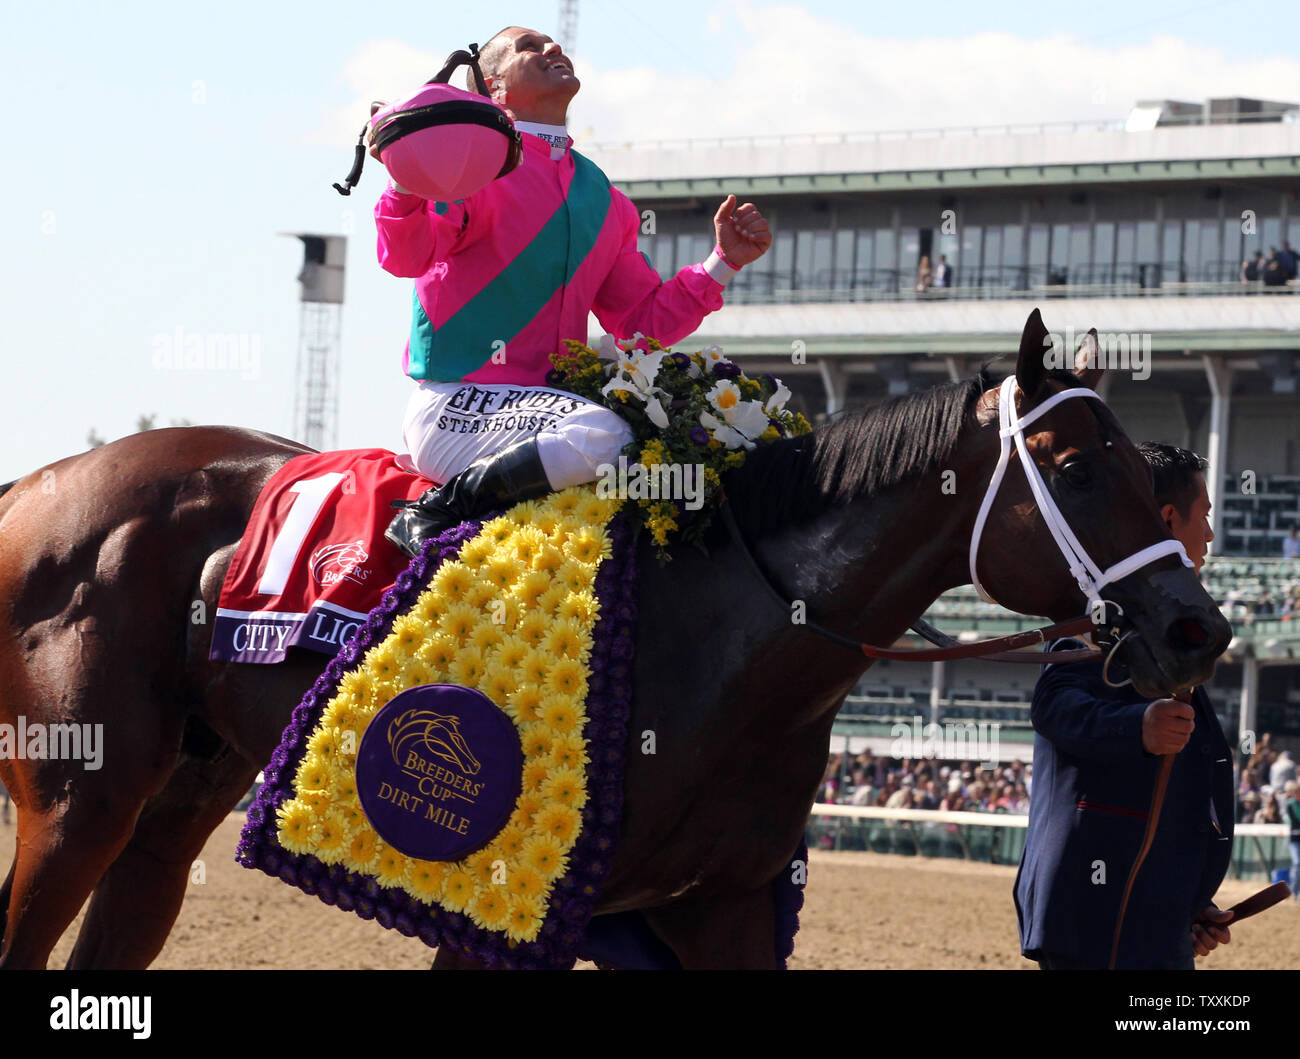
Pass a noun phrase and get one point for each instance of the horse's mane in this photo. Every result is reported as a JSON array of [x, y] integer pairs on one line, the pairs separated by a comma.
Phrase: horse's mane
[[857, 454]]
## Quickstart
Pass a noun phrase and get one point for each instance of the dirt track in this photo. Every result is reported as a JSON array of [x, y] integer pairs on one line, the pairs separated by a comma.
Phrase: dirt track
[[863, 910]]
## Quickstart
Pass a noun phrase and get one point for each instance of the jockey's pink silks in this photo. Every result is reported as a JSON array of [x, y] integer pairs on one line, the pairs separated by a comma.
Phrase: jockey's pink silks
[[506, 275]]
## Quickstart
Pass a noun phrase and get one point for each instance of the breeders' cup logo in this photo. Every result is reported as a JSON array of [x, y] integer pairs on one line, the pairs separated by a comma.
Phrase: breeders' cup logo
[[437, 734], [339, 562], [438, 771]]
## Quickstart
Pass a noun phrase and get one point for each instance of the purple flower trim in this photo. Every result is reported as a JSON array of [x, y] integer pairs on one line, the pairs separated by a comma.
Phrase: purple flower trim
[[576, 893], [787, 901]]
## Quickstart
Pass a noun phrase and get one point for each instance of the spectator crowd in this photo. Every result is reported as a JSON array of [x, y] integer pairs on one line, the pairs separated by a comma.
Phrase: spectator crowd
[[1271, 271], [894, 783]]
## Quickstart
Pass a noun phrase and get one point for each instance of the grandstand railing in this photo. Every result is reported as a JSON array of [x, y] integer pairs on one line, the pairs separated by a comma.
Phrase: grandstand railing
[[996, 838], [885, 135], [764, 287]]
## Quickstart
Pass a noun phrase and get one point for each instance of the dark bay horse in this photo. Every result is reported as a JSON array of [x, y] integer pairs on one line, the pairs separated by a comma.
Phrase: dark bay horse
[[111, 563]]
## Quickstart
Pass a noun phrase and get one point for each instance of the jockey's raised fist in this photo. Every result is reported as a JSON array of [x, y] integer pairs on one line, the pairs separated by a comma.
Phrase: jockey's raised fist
[[741, 231]]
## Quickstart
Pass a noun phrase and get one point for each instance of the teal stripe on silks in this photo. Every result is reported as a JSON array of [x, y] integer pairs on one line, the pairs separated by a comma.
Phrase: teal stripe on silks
[[417, 364], [465, 342]]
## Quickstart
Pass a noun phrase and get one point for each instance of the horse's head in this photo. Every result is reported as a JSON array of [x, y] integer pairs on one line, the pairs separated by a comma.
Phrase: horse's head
[[1088, 528], [438, 733], [442, 736]]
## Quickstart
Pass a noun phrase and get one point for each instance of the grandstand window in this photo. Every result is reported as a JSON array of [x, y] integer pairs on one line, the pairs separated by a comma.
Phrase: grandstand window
[[1125, 247], [783, 260], [1172, 271], [1079, 262], [909, 254], [967, 265], [886, 259], [682, 257], [1268, 234], [1232, 249], [844, 259], [865, 258], [662, 255], [1192, 249], [1103, 255], [1011, 267], [1145, 254], [950, 246], [1038, 245], [803, 272], [817, 267], [991, 258], [1058, 257], [1209, 250]]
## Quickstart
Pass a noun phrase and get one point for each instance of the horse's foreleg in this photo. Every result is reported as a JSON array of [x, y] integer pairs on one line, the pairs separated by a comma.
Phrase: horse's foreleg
[[727, 932], [138, 899], [5, 891]]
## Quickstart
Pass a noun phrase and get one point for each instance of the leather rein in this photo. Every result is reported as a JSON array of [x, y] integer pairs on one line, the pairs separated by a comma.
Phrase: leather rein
[[1001, 649]]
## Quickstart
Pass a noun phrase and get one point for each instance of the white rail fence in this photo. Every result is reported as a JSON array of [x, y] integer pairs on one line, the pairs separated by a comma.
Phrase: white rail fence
[[1257, 848]]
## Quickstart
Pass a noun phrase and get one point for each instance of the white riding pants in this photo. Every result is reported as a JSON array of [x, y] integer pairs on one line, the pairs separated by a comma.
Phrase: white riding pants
[[449, 425]]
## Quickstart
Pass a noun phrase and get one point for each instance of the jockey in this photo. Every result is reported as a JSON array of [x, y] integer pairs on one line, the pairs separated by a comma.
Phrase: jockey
[[504, 277]]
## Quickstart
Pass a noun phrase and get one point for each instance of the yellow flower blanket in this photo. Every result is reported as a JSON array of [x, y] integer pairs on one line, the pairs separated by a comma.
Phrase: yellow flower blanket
[[536, 610]]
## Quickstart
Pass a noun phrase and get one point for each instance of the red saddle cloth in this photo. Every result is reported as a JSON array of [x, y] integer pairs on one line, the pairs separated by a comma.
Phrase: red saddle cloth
[[313, 560]]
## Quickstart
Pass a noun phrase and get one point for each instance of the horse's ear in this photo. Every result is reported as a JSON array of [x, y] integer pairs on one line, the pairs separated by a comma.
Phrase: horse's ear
[[1087, 360], [1031, 367]]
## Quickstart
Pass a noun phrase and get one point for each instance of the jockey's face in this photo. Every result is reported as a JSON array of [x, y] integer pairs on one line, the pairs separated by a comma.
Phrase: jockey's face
[[530, 76]]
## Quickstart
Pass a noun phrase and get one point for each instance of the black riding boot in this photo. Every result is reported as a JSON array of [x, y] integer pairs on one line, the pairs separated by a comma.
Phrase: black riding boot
[[506, 477]]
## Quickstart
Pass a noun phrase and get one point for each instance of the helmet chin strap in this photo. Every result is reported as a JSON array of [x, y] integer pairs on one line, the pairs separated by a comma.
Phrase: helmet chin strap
[[1090, 577]]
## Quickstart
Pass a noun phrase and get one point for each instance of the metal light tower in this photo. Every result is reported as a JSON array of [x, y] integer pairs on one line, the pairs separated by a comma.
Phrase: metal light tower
[[316, 389], [569, 26]]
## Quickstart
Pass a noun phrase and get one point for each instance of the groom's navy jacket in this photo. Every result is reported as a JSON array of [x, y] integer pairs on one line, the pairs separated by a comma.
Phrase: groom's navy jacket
[[1092, 785]]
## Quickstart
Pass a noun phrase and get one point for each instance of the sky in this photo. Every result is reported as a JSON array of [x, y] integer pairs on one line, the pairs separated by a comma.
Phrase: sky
[[156, 152]]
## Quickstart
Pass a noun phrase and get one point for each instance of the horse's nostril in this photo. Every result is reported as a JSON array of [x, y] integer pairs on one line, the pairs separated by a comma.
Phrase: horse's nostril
[[1188, 634]]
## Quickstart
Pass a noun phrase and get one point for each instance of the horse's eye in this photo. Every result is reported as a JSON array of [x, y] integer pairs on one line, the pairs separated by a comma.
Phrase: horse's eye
[[1077, 474]]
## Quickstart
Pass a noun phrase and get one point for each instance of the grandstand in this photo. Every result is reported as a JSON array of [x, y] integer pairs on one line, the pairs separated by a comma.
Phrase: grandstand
[[1139, 228]]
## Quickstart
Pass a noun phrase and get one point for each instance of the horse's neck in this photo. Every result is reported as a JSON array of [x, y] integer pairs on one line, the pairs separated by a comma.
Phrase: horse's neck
[[874, 566], [869, 569]]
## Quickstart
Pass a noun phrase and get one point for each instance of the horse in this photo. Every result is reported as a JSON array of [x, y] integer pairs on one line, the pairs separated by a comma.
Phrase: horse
[[110, 560]]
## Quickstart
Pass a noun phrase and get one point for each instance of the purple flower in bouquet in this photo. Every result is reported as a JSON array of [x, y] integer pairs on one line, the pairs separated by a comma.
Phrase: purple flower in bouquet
[[678, 360], [699, 436], [726, 369]]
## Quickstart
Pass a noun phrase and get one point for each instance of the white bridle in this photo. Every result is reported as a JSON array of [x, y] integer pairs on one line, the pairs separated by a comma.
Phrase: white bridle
[[1091, 578]]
